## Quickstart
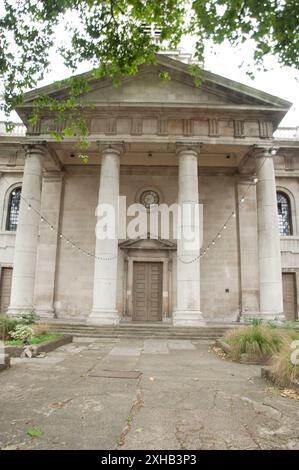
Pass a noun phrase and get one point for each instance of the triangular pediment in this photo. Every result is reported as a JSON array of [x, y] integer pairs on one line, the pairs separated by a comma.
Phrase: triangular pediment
[[147, 88], [147, 244]]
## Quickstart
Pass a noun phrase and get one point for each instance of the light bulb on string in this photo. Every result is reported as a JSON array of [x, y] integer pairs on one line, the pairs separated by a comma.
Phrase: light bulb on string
[[242, 199]]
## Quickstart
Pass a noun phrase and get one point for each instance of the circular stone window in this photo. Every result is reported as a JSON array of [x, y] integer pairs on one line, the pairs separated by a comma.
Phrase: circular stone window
[[149, 198]]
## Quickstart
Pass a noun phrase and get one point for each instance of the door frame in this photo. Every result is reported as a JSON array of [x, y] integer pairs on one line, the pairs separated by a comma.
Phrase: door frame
[[160, 300], [165, 284], [4, 265], [296, 287]]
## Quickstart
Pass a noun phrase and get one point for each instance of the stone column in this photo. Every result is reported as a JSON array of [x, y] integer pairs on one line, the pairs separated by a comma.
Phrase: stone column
[[270, 277], [248, 248], [104, 311], [47, 247], [187, 311], [24, 268]]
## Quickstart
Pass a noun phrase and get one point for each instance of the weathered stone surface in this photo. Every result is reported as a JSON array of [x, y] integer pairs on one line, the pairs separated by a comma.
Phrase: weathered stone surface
[[186, 399], [5, 362]]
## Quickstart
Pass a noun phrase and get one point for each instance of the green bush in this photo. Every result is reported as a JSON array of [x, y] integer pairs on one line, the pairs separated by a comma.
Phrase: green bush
[[28, 318], [22, 332], [257, 340], [7, 326], [284, 371]]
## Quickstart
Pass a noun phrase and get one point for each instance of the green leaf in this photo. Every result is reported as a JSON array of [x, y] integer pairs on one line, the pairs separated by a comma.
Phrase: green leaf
[[35, 432]]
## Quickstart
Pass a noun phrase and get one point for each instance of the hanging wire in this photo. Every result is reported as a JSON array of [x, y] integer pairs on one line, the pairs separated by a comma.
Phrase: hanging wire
[[74, 245], [232, 215], [53, 228]]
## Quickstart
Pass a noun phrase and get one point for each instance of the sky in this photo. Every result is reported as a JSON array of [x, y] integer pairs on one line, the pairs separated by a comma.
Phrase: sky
[[280, 81], [228, 62]]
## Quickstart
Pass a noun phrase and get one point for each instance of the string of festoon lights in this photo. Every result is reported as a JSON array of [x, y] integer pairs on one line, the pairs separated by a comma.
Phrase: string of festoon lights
[[205, 251], [70, 242]]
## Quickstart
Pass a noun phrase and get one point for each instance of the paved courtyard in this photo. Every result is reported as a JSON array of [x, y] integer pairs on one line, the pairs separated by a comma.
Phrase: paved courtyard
[[86, 395]]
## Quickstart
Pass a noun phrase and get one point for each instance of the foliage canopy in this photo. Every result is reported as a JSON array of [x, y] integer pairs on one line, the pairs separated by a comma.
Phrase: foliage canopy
[[113, 36]]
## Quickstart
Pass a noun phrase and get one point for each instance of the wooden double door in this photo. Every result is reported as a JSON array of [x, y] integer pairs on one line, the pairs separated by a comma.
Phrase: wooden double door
[[147, 291], [289, 296], [5, 288]]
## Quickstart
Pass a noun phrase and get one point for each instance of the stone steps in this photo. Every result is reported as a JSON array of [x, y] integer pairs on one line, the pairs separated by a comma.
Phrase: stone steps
[[140, 331]]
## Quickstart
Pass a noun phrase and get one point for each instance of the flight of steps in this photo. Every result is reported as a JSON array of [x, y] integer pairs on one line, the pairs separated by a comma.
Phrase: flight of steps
[[142, 331]]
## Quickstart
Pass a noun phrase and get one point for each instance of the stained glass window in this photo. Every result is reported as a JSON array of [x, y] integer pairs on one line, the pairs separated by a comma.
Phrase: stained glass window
[[13, 209], [284, 214]]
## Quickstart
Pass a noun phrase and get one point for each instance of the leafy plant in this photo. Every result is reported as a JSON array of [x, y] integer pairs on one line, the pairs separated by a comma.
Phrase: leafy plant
[[35, 432], [255, 321], [28, 318], [284, 371], [114, 37], [259, 341], [34, 339], [22, 332], [7, 325]]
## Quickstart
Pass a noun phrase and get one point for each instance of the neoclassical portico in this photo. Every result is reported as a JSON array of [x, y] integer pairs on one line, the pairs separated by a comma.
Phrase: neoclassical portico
[[187, 311]]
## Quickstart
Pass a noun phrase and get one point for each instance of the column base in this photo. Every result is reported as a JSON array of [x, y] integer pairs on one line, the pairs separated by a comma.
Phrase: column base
[[188, 318], [103, 317], [45, 313], [18, 311], [264, 316]]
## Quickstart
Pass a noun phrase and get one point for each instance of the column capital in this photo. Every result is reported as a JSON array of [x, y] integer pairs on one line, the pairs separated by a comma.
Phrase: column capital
[[110, 148], [264, 151], [34, 148], [187, 149]]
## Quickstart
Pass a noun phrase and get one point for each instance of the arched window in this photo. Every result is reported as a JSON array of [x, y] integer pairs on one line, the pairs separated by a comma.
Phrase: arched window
[[284, 214], [13, 209]]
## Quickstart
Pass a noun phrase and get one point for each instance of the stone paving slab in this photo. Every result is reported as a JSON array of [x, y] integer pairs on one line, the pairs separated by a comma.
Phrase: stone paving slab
[[155, 346], [183, 397]]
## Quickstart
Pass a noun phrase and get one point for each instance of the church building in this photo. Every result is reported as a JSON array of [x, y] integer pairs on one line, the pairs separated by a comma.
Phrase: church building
[[153, 142]]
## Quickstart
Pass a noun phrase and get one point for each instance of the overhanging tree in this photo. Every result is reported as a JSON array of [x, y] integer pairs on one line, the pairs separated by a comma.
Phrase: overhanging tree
[[113, 36]]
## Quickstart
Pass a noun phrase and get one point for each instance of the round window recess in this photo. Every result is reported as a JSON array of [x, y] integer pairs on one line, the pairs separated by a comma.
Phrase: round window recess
[[149, 198]]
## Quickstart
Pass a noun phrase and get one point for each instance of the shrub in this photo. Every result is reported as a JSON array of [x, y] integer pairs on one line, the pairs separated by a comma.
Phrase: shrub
[[7, 325], [284, 371], [28, 318], [257, 340], [40, 329], [22, 332]]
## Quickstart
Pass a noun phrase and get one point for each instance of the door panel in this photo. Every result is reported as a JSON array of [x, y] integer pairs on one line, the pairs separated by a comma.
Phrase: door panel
[[5, 288], [289, 296], [147, 291]]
